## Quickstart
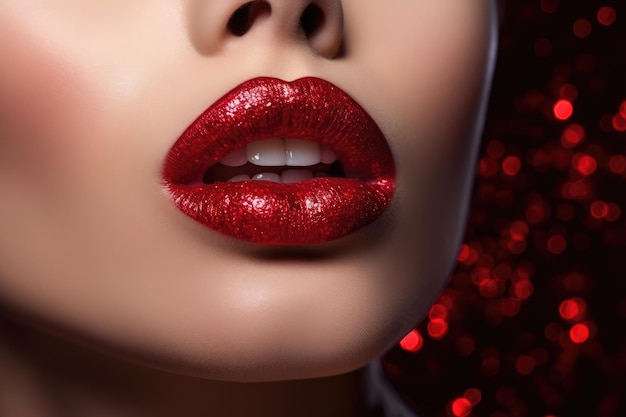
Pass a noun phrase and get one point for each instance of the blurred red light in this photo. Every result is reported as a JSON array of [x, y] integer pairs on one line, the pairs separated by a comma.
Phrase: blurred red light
[[511, 165], [576, 190], [572, 135], [579, 333], [473, 395], [487, 167], [525, 365], [563, 109], [617, 164], [582, 28], [619, 123], [606, 15], [523, 289], [556, 244], [599, 209], [464, 253], [412, 342], [438, 311], [518, 231], [437, 328], [549, 6], [573, 309], [585, 164], [461, 407], [614, 212], [569, 92]]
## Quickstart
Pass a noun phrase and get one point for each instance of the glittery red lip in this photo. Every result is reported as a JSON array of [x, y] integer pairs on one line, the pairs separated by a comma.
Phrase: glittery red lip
[[307, 212]]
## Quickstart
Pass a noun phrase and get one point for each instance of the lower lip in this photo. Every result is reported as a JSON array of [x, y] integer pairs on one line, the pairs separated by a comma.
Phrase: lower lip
[[312, 211]]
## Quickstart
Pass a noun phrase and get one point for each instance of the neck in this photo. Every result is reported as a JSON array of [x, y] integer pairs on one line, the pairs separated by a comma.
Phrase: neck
[[50, 376]]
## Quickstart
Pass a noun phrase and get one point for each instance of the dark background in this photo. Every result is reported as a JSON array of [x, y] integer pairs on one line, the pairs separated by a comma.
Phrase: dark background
[[533, 320]]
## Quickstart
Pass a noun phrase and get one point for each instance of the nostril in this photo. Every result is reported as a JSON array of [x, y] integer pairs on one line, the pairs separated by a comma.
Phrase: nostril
[[312, 20], [243, 18]]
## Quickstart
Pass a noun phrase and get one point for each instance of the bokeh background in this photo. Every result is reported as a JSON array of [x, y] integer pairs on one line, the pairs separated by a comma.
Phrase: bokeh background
[[533, 321]]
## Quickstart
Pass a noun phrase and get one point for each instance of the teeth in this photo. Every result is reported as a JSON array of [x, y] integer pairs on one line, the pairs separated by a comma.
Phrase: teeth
[[289, 176], [239, 178], [267, 152], [267, 176], [302, 153], [281, 152], [235, 159]]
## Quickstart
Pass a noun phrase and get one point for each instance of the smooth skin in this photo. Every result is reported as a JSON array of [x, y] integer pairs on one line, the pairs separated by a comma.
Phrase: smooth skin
[[116, 304]]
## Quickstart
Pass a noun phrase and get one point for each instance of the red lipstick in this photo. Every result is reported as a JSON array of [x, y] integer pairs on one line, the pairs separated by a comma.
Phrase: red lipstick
[[312, 211]]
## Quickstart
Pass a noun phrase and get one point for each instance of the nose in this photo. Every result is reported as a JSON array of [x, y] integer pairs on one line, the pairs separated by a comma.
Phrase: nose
[[317, 23]]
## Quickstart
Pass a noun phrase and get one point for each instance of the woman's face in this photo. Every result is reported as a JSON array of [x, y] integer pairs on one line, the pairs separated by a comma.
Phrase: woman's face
[[94, 94]]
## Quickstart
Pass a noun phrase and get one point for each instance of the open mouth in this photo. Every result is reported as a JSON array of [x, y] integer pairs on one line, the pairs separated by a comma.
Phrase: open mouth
[[277, 160], [282, 163]]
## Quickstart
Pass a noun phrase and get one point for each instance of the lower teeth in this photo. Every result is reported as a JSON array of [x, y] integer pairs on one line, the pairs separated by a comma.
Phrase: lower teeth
[[287, 177]]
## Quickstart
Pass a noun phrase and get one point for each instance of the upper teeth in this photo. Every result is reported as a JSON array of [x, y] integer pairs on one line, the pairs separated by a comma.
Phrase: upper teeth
[[281, 152]]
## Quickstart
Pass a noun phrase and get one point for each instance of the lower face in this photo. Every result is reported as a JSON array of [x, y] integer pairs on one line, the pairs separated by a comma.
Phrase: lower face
[[92, 98]]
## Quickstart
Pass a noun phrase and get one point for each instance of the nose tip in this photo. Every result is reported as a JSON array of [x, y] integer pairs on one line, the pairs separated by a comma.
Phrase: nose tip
[[318, 23]]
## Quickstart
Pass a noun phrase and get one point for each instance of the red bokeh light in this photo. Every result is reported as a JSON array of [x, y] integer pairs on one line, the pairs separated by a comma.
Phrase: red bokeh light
[[491, 288], [585, 164], [576, 190], [606, 15], [525, 365], [607, 211], [563, 109], [549, 6], [619, 122], [523, 289], [412, 342], [464, 253], [556, 244], [569, 92], [468, 255], [495, 149], [572, 135], [461, 407], [510, 307], [473, 395], [465, 346], [582, 28], [487, 167], [579, 333], [437, 328], [614, 212], [511, 165], [617, 164], [438, 311], [518, 230], [599, 209], [573, 309]]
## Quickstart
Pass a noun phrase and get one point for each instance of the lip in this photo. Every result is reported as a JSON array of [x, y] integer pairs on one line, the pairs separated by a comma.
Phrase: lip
[[308, 212]]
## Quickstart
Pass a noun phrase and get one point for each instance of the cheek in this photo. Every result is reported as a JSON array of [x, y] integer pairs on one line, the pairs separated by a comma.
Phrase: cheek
[[42, 103], [428, 55], [431, 62]]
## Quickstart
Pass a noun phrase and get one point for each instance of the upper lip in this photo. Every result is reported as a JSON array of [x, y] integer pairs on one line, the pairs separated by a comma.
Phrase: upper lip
[[308, 108], [306, 212]]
